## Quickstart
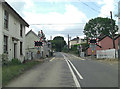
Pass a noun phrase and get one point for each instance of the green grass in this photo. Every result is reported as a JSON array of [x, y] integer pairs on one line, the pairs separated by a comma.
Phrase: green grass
[[12, 71], [74, 52]]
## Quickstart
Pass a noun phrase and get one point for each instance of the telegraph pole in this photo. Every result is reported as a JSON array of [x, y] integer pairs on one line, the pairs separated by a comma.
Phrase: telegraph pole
[[68, 42], [112, 30]]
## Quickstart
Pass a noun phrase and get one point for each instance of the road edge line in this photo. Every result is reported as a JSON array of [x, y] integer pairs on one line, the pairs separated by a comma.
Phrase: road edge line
[[52, 59]]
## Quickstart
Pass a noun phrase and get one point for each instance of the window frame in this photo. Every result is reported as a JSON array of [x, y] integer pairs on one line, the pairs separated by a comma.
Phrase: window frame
[[5, 48], [6, 19], [21, 30], [21, 48]]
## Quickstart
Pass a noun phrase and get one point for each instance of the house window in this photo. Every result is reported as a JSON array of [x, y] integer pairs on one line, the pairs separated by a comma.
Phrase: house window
[[21, 48], [6, 19], [5, 44], [21, 30]]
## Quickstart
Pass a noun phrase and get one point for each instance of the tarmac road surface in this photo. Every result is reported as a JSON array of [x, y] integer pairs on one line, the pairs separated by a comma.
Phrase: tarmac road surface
[[67, 70]]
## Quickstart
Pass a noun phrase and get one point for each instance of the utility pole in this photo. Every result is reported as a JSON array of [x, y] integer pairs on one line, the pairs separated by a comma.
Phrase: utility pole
[[112, 30], [50, 37], [68, 42]]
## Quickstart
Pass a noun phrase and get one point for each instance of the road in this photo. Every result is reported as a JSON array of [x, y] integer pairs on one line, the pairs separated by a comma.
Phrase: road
[[66, 70]]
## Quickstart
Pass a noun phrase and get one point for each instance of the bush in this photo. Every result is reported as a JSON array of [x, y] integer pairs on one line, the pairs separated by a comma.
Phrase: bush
[[4, 59], [14, 62], [65, 49]]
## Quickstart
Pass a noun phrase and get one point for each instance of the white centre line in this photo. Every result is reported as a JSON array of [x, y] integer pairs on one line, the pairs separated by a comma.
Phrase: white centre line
[[80, 76], [76, 70], [74, 77], [73, 74]]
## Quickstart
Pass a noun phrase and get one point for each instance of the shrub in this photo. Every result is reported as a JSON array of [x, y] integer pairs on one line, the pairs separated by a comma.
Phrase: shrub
[[14, 62], [4, 59]]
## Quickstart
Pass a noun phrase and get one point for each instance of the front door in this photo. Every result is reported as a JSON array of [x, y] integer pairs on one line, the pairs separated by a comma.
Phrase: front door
[[15, 50]]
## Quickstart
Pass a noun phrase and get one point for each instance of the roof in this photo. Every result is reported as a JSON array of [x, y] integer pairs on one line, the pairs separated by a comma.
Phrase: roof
[[103, 36], [33, 33], [6, 4], [116, 36], [75, 39]]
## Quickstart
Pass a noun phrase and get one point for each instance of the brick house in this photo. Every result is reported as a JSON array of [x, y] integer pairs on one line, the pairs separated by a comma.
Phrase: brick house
[[76, 40], [105, 42]]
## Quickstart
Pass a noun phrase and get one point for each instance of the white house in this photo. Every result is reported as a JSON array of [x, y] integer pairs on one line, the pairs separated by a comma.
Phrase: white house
[[76, 40], [32, 51], [12, 32]]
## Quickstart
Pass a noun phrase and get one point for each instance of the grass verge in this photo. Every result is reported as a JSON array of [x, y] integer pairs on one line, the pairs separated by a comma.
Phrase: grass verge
[[109, 61], [12, 71]]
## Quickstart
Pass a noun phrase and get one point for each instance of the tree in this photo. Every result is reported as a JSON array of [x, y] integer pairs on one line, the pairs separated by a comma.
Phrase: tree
[[58, 43], [100, 26]]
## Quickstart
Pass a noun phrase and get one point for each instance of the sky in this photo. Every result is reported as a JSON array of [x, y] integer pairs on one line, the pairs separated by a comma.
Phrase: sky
[[62, 17]]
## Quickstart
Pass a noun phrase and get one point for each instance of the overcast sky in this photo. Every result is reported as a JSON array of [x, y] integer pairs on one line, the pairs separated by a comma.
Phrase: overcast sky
[[62, 17]]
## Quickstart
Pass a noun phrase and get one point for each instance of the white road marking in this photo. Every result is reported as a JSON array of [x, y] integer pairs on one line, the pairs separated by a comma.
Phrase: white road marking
[[78, 57], [52, 59], [74, 77], [76, 70]]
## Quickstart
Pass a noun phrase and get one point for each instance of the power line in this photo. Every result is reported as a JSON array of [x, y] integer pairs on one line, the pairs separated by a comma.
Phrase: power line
[[90, 7], [59, 24], [96, 5]]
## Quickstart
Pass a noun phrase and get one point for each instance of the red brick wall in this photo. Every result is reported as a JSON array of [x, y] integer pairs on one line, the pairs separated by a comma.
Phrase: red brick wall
[[116, 43], [106, 43]]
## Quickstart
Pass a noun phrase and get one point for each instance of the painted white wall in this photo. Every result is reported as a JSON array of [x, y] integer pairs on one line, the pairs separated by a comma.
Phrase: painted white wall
[[29, 40], [111, 53], [75, 42], [12, 31], [29, 44]]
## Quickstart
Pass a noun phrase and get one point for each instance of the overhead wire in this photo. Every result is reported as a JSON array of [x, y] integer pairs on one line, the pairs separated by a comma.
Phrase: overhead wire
[[70, 23], [59, 24]]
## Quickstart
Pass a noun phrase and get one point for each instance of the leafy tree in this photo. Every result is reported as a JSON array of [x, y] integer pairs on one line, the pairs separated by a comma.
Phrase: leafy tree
[[100, 26], [58, 43]]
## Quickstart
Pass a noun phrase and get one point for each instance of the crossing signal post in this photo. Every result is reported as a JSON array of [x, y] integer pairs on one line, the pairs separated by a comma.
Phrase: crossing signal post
[[92, 44]]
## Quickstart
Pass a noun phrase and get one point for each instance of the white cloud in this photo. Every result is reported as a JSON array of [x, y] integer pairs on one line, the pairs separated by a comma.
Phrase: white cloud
[[72, 15], [29, 3], [55, 1], [106, 8]]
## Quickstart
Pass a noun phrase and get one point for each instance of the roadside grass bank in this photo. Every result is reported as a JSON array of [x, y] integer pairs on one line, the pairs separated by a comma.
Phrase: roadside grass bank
[[73, 52], [14, 69], [109, 61], [103, 60]]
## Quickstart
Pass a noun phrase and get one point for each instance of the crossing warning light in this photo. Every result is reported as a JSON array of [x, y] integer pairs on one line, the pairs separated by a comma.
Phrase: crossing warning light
[[38, 43], [93, 41]]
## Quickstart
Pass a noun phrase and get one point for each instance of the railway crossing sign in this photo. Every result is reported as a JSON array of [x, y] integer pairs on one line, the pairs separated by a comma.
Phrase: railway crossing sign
[[38, 43], [93, 46], [93, 41]]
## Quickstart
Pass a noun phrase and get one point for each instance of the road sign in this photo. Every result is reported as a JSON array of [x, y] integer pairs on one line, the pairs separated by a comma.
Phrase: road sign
[[93, 41], [93, 46], [38, 52], [38, 43]]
